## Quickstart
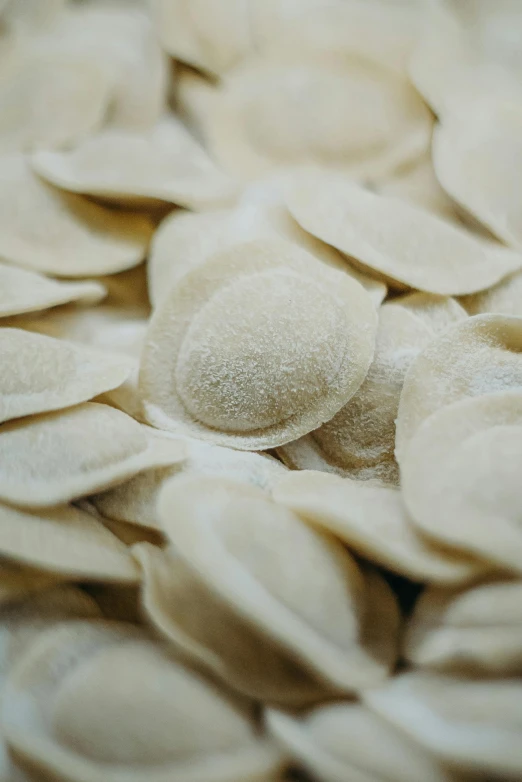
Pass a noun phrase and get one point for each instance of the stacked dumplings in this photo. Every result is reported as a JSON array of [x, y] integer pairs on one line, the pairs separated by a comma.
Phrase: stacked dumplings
[[260, 391]]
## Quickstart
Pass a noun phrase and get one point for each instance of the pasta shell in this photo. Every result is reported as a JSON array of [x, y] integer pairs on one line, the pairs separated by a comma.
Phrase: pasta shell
[[476, 155], [66, 541], [28, 616], [437, 312], [105, 328], [22, 291], [41, 374], [62, 234], [477, 630], [272, 607], [21, 623], [135, 501], [123, 45], [460, 477], [473, 725], [123, 707], [338, 742], [373, 522], [263, 115], [402, 243], [418, 185], [477, 356], [359, 441], [185, 241], [210, 37], [37, 74], [165, 163], [264, 377], [58, 457], [505, 297], [368, 29], [450, 65], [217, 39]]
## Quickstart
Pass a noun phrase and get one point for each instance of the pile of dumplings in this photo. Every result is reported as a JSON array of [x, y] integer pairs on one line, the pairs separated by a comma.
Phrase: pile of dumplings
[[261, 391]]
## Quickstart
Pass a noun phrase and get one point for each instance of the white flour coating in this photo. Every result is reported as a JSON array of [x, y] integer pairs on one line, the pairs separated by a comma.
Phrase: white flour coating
[[186, 240], [405, 244], [505, 298], [57, 233], [329, 109], [135, 501], [23, 291], [359, 440], [270, 370], [480, 355], [281, 361], [43, 374], [62, 456]]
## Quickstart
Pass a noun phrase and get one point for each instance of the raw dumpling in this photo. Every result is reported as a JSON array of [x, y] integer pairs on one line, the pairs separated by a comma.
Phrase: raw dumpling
[[477, 156], [40, 374], [480, 355], [234, 355], [108, 701], [185, 241], [94, 62], [373, 522], [472, 725], [246, 606], [401, 242], [477, 630], [454, 65], [164, 163], [23, 291], [57, 233], [332, 108], [359, 441], [65, 541], [505, 297], [346, 741], [460, 476], [57, 457], [135, 501]]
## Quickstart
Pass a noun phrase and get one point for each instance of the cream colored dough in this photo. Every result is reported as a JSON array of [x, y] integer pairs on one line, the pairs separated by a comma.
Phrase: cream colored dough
[[403, 243], [480, 355], [124, 708], [505, 297], [270, 373], [473, 725], [94, 63], [346, 741], [57, 457], [135, 501], [65, 541], [56, 233], [165, 163], [359, 441], [23, 291], [477, 155], [224, 535], [460, 477], [374, 523], [453, 63], [184, 241], [475, 630], [209, 36], [265, 115], [40, 374]]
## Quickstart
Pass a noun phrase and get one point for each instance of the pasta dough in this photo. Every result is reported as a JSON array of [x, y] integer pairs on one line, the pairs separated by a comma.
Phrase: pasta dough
[[264, 377]]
